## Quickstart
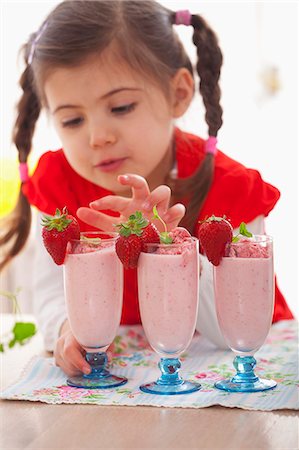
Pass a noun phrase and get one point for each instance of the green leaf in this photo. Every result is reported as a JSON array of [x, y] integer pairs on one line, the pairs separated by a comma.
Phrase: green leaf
[[243, 230], [23, 331], [11, 343], [165, 238], [133, 225]]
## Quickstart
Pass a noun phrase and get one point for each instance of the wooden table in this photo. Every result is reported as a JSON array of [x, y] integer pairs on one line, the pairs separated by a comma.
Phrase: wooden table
[[34, 425]]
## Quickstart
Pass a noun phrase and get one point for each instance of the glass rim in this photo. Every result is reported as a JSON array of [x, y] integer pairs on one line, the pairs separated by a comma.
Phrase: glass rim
[[261, 238], [173, 245], [113, 235]]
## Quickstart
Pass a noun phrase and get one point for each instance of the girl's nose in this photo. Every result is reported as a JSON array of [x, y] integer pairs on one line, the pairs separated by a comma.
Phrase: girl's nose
[[100, 137]]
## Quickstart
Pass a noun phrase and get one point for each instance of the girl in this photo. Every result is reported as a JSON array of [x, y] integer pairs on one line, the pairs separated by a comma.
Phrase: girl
[[114, 76]]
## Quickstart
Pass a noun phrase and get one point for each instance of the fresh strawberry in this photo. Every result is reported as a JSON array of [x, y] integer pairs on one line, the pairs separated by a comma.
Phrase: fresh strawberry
[[57, 231], [128, 249], [150, 235], [134, 234], [213, 234]]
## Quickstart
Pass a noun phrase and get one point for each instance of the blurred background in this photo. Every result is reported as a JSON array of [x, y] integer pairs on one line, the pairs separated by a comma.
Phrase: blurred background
[[259, 84]]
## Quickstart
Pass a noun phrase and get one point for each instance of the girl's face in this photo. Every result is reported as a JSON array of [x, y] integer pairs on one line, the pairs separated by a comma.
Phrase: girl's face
[[110, 122]]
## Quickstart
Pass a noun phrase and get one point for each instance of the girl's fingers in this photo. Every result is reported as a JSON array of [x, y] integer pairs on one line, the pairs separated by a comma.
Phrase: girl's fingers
[[70, 356], [143, 200], [67, 367], [112, 202], [159, 197], [174, 215], [137, 183], [97, 219], [109, 356], [76, 360], [70, 369]]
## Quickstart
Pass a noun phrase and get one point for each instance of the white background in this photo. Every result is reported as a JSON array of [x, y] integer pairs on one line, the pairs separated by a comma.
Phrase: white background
[[260, 125]]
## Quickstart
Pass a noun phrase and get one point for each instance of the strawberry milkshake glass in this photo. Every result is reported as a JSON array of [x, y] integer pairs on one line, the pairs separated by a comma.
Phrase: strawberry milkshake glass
[[244, 290], [93, 280], [168, 279]]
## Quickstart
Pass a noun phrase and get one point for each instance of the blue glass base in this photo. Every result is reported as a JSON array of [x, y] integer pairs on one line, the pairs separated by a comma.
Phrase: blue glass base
[[170, 382], [99, 377], [87, 382], [245, 379], [187, 387], [260, 385]]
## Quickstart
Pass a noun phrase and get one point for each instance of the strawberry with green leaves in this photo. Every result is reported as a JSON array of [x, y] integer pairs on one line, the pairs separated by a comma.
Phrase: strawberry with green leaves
[[133, 235], [57, 231], [138, 231]]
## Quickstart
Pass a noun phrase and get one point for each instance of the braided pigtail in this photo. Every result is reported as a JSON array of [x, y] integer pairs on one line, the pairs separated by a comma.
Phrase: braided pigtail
[[208, 66], [16, 226]]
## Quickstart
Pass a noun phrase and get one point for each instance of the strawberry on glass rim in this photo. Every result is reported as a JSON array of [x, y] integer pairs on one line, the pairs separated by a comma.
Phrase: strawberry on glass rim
[[139, 231], [133, 235], [57, 231], [215, 233]]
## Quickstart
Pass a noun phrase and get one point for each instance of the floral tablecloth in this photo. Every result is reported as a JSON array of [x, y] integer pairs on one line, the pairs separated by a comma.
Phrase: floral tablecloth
[[132, 357]]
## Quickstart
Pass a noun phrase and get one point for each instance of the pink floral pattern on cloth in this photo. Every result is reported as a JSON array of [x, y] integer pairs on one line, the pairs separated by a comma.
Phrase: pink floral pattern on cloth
[[130, 355]]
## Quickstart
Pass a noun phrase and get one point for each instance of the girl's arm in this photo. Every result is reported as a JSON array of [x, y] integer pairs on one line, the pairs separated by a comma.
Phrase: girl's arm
[[207, 323]]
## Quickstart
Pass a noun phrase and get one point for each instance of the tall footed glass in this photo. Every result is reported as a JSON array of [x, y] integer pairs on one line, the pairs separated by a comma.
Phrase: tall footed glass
[[93, 280], [244, 290], [168, 278]]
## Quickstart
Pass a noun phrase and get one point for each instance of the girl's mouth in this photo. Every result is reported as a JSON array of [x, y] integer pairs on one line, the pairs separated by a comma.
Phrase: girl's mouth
[[110, 165]]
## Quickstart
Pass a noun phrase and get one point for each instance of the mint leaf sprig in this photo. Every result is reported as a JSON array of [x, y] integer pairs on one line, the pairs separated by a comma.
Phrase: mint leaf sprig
[[165, 238], [134, 225], [21, 331], [242, 232]]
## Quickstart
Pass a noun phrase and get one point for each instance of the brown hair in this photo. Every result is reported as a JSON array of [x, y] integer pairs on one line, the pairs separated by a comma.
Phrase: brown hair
[[146, 40]]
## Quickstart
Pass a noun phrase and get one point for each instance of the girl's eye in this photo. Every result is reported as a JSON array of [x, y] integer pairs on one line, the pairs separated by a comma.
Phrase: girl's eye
[[73, 122], [124, 109]]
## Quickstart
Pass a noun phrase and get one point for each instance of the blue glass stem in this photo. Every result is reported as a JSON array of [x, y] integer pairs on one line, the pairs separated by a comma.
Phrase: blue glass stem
[[170, 372], [98, 363], [99, 377], [244, 366], [170, 382], [245, 379]]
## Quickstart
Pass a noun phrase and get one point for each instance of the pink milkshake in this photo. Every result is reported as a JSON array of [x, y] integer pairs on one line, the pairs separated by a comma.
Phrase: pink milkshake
[[244, 289], [168, 277], [93, 277]]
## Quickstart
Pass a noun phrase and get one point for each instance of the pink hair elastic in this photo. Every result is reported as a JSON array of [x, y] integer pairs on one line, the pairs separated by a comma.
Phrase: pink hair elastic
[[210, 146], [183, 17], [23, 170]]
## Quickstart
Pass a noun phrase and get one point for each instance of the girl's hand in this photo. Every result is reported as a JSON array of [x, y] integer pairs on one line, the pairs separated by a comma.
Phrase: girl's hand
[[142, 200], [69, 355]]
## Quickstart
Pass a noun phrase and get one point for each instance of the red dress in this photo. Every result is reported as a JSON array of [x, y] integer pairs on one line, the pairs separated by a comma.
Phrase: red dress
[[237, 192]]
